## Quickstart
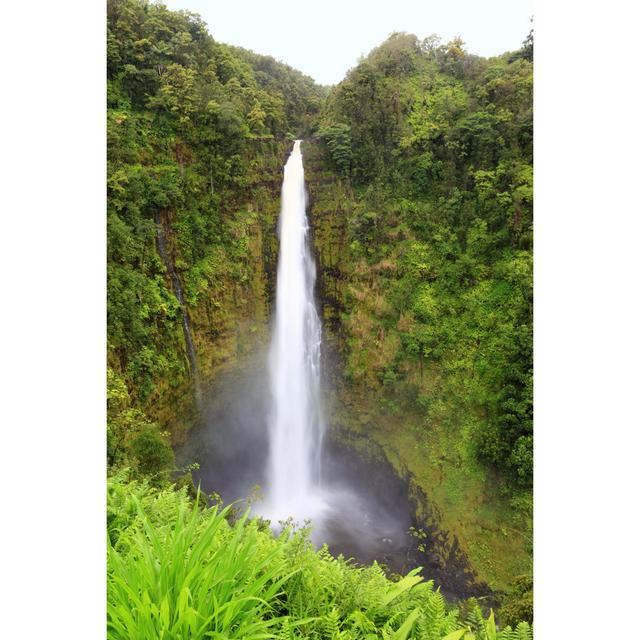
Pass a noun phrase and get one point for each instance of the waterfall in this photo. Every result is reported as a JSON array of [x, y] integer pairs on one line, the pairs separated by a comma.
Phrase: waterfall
[[295, 421]]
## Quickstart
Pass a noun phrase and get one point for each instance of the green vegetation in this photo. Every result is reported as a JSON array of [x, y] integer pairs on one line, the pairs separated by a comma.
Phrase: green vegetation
[[438, 147], [420, 170], [196, 135], [421, 184], [178, 571]]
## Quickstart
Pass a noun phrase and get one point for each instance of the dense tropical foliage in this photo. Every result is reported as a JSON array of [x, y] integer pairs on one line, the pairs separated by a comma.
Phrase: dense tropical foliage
[[180, 571], [195, 129], [420, 170], [437, 144]]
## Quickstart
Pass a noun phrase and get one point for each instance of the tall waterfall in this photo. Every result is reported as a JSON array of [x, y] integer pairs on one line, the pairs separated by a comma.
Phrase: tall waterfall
[[295, 421]]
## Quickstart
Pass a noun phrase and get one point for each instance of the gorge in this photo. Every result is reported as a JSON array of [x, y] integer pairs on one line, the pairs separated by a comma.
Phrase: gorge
[[357, 507], [418, 167]]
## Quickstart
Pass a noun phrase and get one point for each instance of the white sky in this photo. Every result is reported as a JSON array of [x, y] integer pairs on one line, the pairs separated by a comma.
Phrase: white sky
[[325, 38]]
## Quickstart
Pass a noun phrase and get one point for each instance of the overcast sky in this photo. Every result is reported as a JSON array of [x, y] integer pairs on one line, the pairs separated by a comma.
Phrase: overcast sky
[[325, 38]]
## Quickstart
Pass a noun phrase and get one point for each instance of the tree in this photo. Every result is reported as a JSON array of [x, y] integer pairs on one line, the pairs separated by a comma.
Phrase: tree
[[338, 140]]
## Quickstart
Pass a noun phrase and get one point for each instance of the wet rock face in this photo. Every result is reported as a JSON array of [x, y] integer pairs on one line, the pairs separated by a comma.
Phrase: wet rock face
[[328, 235], [390, 532]]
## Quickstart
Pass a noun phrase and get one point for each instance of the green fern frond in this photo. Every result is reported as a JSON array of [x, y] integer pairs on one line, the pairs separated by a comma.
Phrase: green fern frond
[[524, 631]]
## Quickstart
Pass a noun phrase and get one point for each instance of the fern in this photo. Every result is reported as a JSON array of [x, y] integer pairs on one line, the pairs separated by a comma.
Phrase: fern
[[179, 571], [361, 623], [523, 631]]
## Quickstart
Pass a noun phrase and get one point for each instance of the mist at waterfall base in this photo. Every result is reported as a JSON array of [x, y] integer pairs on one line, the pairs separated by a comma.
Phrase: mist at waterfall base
[[263, 425], [361, 508], [369, 511]]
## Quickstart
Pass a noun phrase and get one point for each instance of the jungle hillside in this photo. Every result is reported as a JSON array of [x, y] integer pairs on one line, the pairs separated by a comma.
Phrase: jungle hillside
[[419, 172]]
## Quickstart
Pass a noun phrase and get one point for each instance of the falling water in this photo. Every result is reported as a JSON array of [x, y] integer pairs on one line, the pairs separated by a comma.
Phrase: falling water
[[295, 421]]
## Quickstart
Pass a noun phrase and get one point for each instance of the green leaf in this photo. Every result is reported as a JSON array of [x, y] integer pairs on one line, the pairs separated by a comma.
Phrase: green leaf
[[403, 632], [455, 635], [403, 585], [491, 627]]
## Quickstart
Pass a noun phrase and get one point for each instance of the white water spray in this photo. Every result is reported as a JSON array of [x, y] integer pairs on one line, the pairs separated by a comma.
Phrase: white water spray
[[296, 423]]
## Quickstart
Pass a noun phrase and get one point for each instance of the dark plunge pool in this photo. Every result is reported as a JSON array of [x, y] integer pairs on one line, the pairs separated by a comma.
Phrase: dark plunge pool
[[370, 513]]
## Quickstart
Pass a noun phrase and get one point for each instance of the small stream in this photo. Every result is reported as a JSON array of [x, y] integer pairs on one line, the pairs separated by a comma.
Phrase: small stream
[[177, 290], [370, 508]]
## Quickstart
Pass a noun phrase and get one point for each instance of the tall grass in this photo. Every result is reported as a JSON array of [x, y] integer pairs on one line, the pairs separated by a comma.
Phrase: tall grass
[[176, 571]]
